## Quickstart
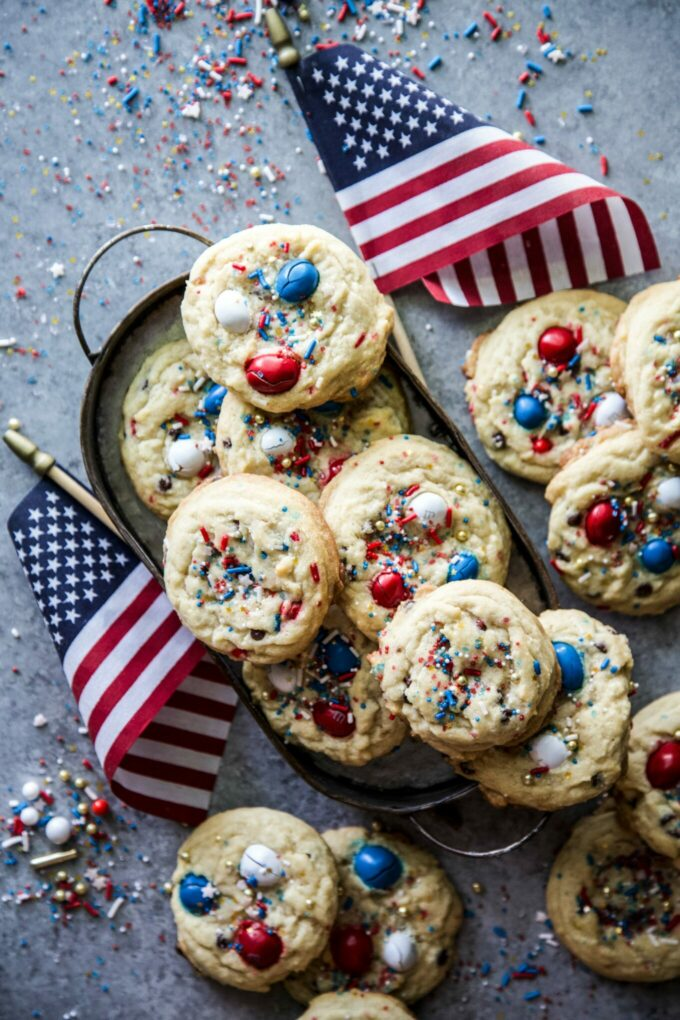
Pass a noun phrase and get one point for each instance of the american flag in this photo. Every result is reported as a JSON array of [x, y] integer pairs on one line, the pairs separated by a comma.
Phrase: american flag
[[430, 192], [157, 708]]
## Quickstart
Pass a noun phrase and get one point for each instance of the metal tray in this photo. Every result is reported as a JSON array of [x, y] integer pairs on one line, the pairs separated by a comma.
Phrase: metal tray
[[387, 784]]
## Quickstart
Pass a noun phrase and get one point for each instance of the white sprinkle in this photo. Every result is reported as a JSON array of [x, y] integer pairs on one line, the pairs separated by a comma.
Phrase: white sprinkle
[[8, 341], [115, 907], [39, 720], [10, 841], [15, 633], [92, 794]]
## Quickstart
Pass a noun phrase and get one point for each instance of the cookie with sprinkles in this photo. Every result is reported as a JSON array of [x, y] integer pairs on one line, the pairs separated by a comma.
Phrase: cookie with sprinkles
[[397, 920], [469, 667], [648, 796], [542, 379], [286, 315], [167, 435], [305, 449], [250, 567], [614, 529], [254, 897], [355, 1005], [614, 903], [328, 699], [581, 749], [408, 512], [646, 364]]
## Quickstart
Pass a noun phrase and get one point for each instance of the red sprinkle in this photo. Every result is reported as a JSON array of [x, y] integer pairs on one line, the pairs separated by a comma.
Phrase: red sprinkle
[[294, 537], [488, 16], [46, 797], [530, 117], [206, 536], [604, 166], [418, 73], [206, 470], [314, 571], [224, 542], [496, 33], [361, 339]]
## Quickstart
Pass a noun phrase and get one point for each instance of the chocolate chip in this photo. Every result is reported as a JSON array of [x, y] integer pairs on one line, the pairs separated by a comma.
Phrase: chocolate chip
[[442, 957], [257, 635], [601, 646], [573, 520], [498, 440], [165, 483], [597, 779], [226, 443], [222, 942], [643, 591]]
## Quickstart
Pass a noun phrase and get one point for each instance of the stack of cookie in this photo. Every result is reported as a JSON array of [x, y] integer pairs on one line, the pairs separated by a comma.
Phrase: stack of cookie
[[614, 889], [546, 389], [302, 511], [348, 919]]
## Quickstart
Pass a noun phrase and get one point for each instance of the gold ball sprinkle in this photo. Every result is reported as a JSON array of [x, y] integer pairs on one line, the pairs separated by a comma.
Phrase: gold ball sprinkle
[[462, 536], [185, 855], [460, 489], [402, 910], [60, 896], [80, 783], [676, 735], [80, 888], [259, 419], [286, 462], [14, 424], [477, 887], [83, 808], [64, 775], [61, 876], [379, 525], [167, 887], [91, 828], [528, 779]]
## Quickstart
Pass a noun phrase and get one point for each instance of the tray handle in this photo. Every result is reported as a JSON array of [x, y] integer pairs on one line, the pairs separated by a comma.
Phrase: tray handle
[[77, 325], [494, 852]]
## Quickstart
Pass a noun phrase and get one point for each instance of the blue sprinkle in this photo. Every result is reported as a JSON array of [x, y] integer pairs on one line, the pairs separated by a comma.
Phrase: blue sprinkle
[[157, 43], [238, 570], [471, 29], [529, 996], [539, 139], [585, 108], [547, 13], [310, 350], [536, 68], [500, 932], [521, 96], [605, 664], [660, 339], [434, 63], [537, 667], [485, 969], [127, 99]]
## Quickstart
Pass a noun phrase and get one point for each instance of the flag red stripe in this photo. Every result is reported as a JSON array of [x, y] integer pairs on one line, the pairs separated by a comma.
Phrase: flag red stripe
[[146, 712], [182, 813], [643, 233], [608, 240], [208, 669], [455, 210], [170, 773], [571, 244], [430, 179], [501, 273], [113, 636], [435, 288], [188, 739], [131, 671], [492, 234], [538, 267], [201, 706], [468, 284]]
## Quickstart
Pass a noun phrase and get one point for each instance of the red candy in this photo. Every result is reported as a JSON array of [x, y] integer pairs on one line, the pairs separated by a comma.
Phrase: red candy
[[602, 523], [351, 949], [557, 345], [100, 807], [663, 765], [541, 444], [388, 589], [336, 720], [258, 945], [273, 372]]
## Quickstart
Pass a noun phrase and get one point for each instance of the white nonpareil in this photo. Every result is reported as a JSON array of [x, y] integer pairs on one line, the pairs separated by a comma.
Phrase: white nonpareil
[[262, 864], [430, 507], [610, 407], [549, 750], [232, 311], [668, 493], [399, 951], [277, 441], [58, 830], [186, 457]]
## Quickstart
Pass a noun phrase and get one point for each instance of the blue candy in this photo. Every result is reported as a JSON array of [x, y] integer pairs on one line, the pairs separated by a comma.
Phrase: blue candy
[[377, 867], [191, 895], [530, 412], [570, 664], [463, 567], [340, 657], [297, 280], [657, 556], [330, 407], [213, 399]]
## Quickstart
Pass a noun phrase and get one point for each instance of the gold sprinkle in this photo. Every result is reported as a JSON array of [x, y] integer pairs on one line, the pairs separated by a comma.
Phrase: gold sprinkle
[[80, 888], [80, 783], [460, 489], [477, 887], [91, 828], [64, 775], [259, 419], [83, 808], [286, 462], [167, 887], [379, 525], [61, 876], [528, 779], [185, 855], [462, 536], [60, 895]]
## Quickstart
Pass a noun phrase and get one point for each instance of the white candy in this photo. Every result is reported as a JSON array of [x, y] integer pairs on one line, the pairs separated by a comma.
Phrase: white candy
[[30, 790], [277, 441], [232, 311], [547, 749], [262, 864], [399, 951], [58, 830], [430, 507], [30, 816], [668, 493], [610, 407], [185, 457], [282, 677]]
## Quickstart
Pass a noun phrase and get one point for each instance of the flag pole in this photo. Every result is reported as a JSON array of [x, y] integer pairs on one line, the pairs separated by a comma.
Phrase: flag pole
[[288, 56], [44, 464]]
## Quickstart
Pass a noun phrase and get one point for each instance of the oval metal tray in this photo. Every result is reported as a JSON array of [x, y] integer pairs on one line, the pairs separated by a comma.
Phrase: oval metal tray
[[387, 784]]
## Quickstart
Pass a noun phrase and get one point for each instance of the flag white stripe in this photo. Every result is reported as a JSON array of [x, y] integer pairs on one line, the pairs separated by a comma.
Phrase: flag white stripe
[[631, 255], [192, 722], [471, 224], [448, 278], [110, 668], [418, 164], [590, 243], [171, 754], [144, 686], [554, 255], [103, 619], [414, 208], [224, 693], [519, 267], [160, 789], [480, 264]]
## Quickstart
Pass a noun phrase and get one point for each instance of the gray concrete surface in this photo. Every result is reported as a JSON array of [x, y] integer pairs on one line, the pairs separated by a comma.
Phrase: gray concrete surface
[[55, 103]]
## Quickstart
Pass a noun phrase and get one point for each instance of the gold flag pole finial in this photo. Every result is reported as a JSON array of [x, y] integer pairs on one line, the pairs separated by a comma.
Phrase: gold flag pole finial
[[281, 39], [25, 449]]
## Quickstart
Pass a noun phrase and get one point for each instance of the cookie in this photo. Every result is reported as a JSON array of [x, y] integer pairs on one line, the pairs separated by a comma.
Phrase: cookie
[[167, 434], [250, 567], [648, 796], [615, 524], [646, 365], [614, 903], [581, 749], [356, 1005], [254, 897], [408, 512], [328, 700], [306, 449], [397, 921], [541, 379], [286, 315], [468, 666]]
